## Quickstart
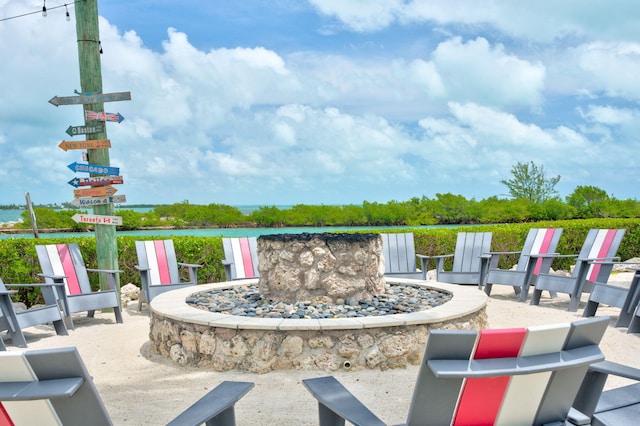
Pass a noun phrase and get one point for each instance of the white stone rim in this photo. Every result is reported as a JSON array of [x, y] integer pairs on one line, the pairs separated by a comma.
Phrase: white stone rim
[[466, 300]]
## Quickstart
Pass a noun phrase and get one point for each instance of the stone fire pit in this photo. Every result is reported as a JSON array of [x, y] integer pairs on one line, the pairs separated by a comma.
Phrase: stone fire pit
[[320, 268]]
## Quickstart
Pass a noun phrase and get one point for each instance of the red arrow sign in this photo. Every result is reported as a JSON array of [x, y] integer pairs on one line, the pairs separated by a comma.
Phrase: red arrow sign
[[103, 116]]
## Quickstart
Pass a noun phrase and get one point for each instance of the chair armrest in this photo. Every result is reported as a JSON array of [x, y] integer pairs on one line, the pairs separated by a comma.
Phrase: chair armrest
[[441, 256], [498, 253], [9, 292], [218, 402], [599, 260], [56, 284], [108, 271], [53, 277], [336, 402], [40, 389], [141, 269], [227, 262], [621, 370], [189, 265], [550, 255]]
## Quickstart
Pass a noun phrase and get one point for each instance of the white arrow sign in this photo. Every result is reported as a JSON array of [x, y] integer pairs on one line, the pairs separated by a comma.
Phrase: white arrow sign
[[97, 219], [96, 201]]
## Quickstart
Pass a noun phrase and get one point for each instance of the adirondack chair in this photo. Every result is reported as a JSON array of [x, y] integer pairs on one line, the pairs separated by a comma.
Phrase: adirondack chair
[[53, 386], [400, 256], [64, 263], [624, 297], [466, 267], [594, 263], [614, 407], [539, 241], [241, 258], [13, 322], [158, 269], [510, 376]]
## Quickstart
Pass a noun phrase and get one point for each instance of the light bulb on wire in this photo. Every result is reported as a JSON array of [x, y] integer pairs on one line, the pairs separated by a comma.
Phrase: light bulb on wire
[[44, 8], [67, 12]]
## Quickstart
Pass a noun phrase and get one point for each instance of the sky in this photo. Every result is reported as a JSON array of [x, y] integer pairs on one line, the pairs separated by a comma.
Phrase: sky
[[280, 102]]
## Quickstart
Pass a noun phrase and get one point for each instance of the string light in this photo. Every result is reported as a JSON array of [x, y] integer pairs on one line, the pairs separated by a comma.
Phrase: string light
[[45, 10]]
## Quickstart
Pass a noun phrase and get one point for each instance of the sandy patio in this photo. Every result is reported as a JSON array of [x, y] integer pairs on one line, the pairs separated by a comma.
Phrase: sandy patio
[[139, 388]]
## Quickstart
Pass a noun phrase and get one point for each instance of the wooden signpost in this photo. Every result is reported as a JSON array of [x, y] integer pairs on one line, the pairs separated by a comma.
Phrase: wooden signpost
[[97, 219], [88, 144], [85, 130], [94, 168], [93, 98], [96, 181], [98, 191], [98, 201]]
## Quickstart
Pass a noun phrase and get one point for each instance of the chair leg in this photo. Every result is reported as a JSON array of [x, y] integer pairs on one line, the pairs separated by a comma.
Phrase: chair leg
[[328, 417], [535, 297], [118, 314], [590, 309]]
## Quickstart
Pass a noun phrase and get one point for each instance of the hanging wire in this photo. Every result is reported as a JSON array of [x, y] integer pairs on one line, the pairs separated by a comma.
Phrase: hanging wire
[[44, 11]]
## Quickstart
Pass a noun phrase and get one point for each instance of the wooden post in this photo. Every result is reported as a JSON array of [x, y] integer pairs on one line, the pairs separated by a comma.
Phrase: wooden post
[[89, 47]]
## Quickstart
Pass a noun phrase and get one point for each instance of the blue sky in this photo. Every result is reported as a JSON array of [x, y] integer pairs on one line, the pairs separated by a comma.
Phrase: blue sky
[[329, 101]]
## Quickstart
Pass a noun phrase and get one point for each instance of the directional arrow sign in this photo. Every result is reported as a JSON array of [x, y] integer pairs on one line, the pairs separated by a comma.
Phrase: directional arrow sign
[[85, 130], [89, 144], [99, 191], [94, 168], [103, 116], [90, 99], [97, 219], [96, 201], [96, 181]]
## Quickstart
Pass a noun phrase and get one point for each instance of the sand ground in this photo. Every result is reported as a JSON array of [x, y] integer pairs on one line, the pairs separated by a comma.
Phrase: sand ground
[[142, 389]]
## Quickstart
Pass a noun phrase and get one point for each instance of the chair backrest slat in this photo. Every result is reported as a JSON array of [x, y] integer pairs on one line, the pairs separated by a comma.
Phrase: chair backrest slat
[[159, 257], [14, 367], [601, 244], [507, 388], [65, 259], [469, 247], [243, 252], [399, 252]]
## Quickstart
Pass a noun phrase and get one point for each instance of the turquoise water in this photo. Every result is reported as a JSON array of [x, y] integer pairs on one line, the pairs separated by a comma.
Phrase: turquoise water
[[226, 232]]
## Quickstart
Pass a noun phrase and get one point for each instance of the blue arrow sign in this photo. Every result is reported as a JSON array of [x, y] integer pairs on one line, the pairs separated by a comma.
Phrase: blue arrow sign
[[94, 168]]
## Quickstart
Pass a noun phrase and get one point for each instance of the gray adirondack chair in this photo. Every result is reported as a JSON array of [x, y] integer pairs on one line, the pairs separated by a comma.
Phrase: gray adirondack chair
[[619, 296], [614, 407], [63, 263], [158, 269], [466, 267], [400, 256], [470, 377], [53, 386], [13, 322], [240, 258], [593, 264], [538, 241]]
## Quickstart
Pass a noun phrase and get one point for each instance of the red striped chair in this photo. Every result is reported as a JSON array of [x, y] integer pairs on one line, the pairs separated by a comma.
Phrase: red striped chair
[[158, 269], [512, 376], [240, 258], [64, 263], [594, 263], [53, 387], [539, 241]]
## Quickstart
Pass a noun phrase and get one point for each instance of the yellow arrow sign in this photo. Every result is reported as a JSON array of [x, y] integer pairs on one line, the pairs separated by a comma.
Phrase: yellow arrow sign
[[100, 191], [90, 144]]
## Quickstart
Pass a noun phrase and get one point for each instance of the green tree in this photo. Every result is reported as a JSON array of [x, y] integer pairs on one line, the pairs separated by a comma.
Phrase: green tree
[[530, 181], [587, 200]]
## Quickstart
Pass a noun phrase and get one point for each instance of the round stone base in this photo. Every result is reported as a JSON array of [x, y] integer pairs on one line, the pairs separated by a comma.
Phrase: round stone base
[[220, 342]]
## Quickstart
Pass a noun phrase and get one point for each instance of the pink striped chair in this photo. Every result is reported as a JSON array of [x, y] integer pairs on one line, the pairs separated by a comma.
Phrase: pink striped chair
[[158, 269], [241, 258], [594, 263], [512, 376], [64, 263], [538, 241]]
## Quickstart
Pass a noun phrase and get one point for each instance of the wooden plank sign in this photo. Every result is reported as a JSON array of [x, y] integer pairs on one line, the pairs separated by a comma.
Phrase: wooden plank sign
[[96, 181], [98, 191], [97, 219], [88, 144], [97, 201]]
